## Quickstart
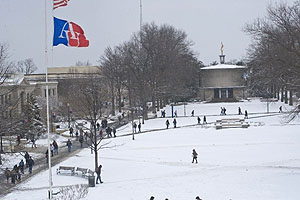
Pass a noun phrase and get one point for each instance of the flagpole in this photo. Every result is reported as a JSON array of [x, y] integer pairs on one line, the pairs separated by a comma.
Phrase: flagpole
[[141, 15], [47, 99]]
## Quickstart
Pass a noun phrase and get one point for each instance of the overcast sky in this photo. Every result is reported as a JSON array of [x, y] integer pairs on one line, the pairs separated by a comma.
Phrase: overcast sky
[[111, 22]]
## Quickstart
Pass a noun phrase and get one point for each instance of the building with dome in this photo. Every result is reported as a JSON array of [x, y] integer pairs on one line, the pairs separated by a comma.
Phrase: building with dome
[[222, 82]]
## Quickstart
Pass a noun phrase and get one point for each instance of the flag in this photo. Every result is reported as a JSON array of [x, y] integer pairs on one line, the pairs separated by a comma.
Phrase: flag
[[68, 34], [59, 3]]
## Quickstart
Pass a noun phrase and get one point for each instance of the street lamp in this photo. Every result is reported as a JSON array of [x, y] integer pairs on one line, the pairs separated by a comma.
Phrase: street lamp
[[68, 114]]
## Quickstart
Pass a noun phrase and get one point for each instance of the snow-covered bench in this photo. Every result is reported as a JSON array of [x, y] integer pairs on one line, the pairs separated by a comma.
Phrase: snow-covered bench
[[231, 123], [64, 169], [82, 171]]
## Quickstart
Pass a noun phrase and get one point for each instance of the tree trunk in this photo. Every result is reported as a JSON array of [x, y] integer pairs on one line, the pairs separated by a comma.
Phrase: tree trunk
[[113, 107], [96, 148], [281, 94], [286, 96], [119, 99], [153, 104], [291, 98]]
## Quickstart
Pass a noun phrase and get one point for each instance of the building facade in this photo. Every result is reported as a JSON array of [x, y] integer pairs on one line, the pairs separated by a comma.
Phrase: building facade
[[222, 82]]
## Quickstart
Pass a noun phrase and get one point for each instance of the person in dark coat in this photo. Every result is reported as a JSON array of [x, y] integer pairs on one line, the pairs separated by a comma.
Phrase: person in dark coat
[[199, 120], [193, 112], [98, 172], [30, 164], [134, 127], [204, 120], [167, 123], [26, 156], [140, 127], [246, 114], [174, 123], [71, 131], [69, 144], [195, 155], [21, 166], [114, 131], [152, 198], [280, 109], [240, 111], [81, 140], [108, 131], [198, 198], [7, 174], [13, 176]]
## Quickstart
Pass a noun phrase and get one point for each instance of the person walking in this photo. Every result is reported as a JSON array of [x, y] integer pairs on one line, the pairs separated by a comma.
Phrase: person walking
[[199, 120], [7, 174], [71, 131], [98, 172], [33, 142], [69, 144], [204, 120], [167, 123], [30, 164], [280, 109], [193, 112], [21, 166], [55, 145], [134, 127], [239, 111], [140, 127], [174, 123], [81, 140], [26, 156], [175, 113], [51, 150], [114, 131], [246, 114], [195, 155]]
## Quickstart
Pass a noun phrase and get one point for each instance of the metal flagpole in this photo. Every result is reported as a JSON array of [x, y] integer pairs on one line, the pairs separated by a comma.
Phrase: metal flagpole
[[47, 99], [141, 15]]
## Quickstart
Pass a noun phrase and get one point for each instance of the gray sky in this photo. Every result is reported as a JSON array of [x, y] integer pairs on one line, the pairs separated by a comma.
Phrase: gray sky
[[110, 22]]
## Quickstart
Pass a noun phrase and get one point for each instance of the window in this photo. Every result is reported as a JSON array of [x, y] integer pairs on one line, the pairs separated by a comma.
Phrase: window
[[216, 93], [45, 93], [230, 93], [53, 92]]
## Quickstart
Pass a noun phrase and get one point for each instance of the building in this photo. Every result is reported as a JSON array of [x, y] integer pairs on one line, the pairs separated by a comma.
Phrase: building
[[222, 82], [16, 90]]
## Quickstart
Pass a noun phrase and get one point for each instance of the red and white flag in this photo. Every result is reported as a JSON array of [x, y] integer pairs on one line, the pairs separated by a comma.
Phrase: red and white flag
[[59, 3]]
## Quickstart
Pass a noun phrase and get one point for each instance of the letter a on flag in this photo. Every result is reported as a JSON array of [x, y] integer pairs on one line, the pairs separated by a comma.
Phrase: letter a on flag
[[68, 34]]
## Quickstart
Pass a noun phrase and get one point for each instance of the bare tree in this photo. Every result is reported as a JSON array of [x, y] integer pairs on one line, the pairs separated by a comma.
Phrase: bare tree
[[274, 56], [26, 66]]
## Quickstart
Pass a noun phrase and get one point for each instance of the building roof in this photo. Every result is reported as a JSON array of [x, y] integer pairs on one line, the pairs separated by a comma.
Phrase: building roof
[[223, 66], [73, 69]]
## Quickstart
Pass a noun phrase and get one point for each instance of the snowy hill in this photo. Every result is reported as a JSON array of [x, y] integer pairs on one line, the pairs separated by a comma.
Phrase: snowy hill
[[259, 162]]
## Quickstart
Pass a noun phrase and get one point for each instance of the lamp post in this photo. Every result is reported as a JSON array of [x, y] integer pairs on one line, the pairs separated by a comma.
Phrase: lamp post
[[68, 115]]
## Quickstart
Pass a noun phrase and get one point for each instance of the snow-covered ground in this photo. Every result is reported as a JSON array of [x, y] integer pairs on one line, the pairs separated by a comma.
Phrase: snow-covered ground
[[259, 162]]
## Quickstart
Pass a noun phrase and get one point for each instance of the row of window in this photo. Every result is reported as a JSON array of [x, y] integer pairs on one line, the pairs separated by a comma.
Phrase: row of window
[[223, 93], [51, 92], [5, 99]]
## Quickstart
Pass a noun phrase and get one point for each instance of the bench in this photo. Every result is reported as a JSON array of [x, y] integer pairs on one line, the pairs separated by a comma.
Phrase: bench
[[231, 123], [83, 171], [65, 169]]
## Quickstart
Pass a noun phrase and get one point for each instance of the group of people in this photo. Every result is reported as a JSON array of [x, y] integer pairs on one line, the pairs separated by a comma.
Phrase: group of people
[[53, 150], [240, 112], [18, 169], [139, 126], [197, 198]]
